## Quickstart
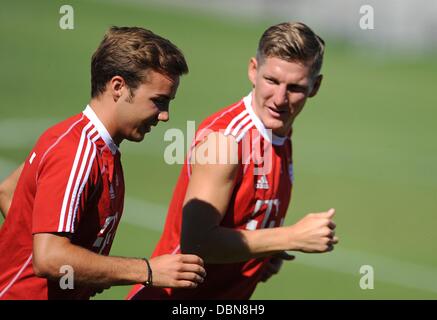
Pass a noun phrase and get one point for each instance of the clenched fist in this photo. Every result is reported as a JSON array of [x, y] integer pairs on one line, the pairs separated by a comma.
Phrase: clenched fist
[[314, 233]]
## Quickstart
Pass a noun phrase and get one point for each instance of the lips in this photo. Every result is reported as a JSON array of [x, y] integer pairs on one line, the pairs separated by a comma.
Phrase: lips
[[275, 112]]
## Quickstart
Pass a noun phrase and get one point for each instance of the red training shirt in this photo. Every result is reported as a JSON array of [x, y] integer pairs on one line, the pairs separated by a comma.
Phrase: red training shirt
[[72, 183]]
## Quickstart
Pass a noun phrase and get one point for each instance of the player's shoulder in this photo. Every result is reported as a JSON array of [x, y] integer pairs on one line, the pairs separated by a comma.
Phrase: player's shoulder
[[220, 119], [233, 120], [65, 136]]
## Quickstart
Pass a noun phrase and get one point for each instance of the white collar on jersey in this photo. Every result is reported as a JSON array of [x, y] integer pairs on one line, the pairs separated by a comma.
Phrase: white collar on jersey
[[90, 114], [267, 134]]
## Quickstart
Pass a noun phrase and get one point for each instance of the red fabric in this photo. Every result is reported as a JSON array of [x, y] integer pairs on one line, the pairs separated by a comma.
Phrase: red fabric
[[64, 187]]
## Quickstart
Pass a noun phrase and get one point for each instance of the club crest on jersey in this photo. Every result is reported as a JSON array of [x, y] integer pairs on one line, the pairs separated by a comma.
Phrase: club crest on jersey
[[262, 183]]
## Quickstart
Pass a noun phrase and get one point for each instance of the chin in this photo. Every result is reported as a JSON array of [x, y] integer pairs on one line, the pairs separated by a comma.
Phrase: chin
[[274, 124]]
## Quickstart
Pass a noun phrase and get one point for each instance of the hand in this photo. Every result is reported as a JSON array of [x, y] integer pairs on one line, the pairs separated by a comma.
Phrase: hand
[[274, 265], [177, 271], [314, 233]]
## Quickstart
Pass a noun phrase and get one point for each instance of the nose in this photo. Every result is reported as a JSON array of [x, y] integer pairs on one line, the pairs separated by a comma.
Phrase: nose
[[163, 116], [281, 96]]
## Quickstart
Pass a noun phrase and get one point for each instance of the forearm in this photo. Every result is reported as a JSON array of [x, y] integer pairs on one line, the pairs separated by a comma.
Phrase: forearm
[[225, 245], [202, 234], [314, 233], [92, 269]]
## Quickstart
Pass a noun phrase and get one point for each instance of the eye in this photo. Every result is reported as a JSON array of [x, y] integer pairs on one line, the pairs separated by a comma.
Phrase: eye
[[161, 104], [271, 80], [297, 88]]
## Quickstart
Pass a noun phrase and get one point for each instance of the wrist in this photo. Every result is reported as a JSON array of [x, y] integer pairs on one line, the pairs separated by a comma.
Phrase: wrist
[[149, 277], [292, 241]]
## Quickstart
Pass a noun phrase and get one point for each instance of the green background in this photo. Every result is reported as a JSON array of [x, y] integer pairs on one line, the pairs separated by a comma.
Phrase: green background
[[365, 145]]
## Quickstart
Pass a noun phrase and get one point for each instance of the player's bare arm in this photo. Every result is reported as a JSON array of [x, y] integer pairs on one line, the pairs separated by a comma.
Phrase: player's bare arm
[[7, 188], [52, 251], [205, 206]]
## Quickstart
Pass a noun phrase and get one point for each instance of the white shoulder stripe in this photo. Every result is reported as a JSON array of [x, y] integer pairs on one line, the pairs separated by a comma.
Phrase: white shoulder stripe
[[67, 193], [84, 181], [95, 138], [244, 131], [80, 176], [234, 121], [240, 125]]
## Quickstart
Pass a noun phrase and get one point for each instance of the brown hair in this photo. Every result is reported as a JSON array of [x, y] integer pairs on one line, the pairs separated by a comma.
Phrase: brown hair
[[129, 52], [292, 41]]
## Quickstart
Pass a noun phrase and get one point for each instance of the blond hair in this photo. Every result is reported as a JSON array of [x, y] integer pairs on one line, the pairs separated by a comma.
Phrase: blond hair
[[294, 42]]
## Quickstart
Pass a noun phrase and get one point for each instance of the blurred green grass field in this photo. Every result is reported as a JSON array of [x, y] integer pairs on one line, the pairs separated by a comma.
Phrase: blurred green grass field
[[365, 145]]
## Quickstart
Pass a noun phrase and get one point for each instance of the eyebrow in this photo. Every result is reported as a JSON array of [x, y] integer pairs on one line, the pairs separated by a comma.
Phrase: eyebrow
[[290, 85], [163, 96]]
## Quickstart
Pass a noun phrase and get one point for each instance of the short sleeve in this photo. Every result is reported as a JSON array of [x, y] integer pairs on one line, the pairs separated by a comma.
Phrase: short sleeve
[[63, 183]]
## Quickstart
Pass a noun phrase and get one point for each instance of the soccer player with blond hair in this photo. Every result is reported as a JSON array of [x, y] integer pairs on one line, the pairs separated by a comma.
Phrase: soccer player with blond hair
[[231, 213]]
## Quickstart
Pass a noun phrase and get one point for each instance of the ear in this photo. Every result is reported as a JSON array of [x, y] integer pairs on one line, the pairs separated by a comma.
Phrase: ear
[[252, 70], [116, 87], [316, 86]]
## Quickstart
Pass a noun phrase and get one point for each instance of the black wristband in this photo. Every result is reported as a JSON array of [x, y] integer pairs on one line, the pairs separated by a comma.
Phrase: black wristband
[[149, 281]]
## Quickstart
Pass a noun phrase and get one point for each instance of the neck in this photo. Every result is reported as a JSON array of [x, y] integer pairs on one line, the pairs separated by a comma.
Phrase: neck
[[283, 133], [104, 110]]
